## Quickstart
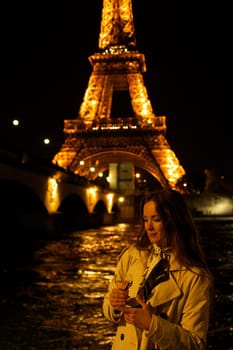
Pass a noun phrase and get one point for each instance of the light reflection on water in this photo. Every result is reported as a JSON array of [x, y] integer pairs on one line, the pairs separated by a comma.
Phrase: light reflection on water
[[57, 301], [84, 263]]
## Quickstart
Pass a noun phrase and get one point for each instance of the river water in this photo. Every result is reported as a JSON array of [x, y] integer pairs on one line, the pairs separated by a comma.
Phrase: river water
[[52, 289]]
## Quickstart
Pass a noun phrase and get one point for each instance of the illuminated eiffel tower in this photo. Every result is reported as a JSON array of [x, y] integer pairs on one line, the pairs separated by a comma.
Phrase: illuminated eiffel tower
[[98, 139]]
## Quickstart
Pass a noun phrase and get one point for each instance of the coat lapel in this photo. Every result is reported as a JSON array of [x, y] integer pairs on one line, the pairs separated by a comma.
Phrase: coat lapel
[[167, 290], [164, 292]]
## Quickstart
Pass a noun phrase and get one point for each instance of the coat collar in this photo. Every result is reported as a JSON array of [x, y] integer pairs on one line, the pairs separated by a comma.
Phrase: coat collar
[[164, 292], [167, 290]]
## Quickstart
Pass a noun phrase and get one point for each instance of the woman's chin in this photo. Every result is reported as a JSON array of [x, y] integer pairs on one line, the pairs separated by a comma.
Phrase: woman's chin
[[154, 239]]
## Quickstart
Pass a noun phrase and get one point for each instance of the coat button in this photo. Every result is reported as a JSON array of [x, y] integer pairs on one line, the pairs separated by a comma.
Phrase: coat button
[[122, 336]]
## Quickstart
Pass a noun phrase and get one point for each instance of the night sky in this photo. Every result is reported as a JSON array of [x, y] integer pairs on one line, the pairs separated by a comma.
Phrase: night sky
[[45, 70]]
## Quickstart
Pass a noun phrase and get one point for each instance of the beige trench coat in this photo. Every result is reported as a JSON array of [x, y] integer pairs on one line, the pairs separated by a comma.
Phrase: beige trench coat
[[181, 308]]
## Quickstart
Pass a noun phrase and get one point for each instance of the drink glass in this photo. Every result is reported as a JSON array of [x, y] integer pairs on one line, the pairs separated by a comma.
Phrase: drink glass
[[123, 284]]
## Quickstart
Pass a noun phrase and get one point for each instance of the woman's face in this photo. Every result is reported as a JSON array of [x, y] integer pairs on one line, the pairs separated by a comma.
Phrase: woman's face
[[153, 225]]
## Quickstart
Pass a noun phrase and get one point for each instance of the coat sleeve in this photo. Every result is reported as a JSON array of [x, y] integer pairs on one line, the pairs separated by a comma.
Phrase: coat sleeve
[[191, 330]]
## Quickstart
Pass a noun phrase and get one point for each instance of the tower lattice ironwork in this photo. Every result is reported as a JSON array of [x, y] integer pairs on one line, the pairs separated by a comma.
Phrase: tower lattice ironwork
[[96, 137]]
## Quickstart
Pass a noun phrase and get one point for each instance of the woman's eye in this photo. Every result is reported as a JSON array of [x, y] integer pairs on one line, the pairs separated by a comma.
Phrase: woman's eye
[[156, 220], [152, 219]]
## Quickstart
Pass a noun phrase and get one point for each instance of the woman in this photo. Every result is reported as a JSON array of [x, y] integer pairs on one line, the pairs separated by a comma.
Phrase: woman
[[166, 305]]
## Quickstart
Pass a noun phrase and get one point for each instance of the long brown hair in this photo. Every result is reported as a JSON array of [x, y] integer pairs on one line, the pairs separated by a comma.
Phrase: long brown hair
[[182, 234]]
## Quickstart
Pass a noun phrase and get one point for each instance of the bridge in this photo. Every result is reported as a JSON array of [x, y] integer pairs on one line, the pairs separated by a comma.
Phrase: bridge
[[41, 197], [57, 194]]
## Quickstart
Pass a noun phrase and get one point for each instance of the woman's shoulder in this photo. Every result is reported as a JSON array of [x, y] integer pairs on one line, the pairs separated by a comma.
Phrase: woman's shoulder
[[131, 251], [127, 250], [190, 274]]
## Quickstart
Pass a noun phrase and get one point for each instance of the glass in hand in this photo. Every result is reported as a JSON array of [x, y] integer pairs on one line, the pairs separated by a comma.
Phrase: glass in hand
[[123, 284]]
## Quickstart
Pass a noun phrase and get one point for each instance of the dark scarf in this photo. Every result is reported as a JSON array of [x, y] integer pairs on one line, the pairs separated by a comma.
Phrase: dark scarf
[[159, 274]]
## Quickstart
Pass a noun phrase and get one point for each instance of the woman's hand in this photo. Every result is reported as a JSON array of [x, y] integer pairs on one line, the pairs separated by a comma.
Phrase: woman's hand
[[139, 317], [118, 298]]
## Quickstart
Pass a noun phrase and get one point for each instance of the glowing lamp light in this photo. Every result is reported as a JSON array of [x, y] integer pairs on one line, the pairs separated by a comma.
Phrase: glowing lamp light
[[46, 141], [52, 195], [91, 198], [109, 197], [15, 122]]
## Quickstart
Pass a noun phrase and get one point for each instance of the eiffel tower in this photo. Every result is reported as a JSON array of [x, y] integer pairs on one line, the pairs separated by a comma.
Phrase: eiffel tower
[[96, 138]]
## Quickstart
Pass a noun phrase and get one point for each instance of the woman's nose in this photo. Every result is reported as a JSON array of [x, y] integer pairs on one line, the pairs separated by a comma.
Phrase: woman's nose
[[150, 224]]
